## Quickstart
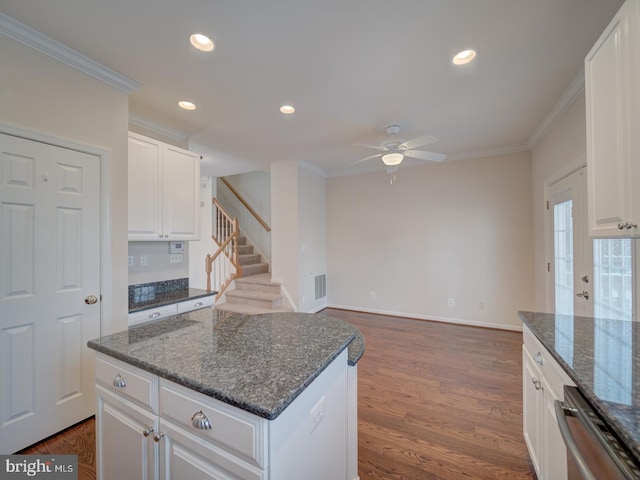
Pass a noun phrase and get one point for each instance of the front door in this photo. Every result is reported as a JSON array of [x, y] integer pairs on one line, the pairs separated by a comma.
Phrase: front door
[[49, 288]]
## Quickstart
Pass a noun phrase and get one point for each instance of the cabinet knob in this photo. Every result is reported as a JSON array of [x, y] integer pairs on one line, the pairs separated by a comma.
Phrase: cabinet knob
[[537, 383], [200, 421], [538, 358], [627, 225], [154, 315], [147, 431], [158, 436], [119, 381]]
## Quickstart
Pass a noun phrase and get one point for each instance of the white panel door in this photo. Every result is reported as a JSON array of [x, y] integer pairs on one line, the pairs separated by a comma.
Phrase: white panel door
[[49, 268]]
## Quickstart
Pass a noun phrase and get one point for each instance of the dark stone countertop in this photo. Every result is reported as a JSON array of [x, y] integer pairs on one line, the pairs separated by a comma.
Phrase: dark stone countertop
[[160, 299], [602, 357], [259, 363]]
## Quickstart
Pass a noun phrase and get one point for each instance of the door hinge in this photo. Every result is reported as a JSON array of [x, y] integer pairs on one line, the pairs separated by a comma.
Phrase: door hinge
[[547, 204], [548, 266]]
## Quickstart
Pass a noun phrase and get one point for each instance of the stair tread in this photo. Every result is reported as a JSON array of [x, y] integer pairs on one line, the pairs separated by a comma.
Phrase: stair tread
[[249, 309], [254, 294]]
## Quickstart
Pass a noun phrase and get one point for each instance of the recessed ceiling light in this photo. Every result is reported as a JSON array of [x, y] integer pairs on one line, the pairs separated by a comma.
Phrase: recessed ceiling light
[[187, 105], [464, 57], [287, 109], [201, 42]]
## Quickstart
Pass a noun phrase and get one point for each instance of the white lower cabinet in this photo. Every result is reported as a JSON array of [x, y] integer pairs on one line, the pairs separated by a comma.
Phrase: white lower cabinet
[[543, 382], [150, 428]]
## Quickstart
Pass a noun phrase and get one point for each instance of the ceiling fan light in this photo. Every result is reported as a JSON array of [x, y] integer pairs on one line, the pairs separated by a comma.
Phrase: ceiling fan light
[[391, 159]]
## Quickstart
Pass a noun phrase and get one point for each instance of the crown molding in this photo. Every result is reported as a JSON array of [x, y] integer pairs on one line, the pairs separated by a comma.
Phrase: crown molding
[[156, 127], [56, 50], [488, 153], [312, 168], [571, 93]]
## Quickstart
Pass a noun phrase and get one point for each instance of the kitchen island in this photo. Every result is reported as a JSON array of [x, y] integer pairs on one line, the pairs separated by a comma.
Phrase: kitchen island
[[210, 394], [602, 358]]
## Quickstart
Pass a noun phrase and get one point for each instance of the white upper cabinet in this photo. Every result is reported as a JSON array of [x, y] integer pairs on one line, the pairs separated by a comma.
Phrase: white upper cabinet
[[164, 194], [612, 76]]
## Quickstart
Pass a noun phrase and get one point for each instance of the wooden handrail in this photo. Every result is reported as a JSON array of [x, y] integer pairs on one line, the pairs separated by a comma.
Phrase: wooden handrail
[[244, 202]]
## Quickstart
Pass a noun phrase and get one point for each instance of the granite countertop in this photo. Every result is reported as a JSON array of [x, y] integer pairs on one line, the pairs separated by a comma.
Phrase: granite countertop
[[259, 363], [158, 294], [602, 357]]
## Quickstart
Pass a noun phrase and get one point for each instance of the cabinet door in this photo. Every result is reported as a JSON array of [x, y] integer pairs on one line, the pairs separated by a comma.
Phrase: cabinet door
[[609, 134], [123, 451], [145, 188], [185, 456], [532, 407], [181, 194]]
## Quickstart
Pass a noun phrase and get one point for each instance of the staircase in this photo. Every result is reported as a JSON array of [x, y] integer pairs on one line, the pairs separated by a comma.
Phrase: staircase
[[254, 292]]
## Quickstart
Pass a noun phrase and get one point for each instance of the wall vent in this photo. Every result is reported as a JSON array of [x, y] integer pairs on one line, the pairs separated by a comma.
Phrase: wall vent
[[321, 286]]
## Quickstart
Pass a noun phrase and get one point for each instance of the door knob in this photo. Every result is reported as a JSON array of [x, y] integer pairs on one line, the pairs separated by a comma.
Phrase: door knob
[[90, 299], [584, 294]]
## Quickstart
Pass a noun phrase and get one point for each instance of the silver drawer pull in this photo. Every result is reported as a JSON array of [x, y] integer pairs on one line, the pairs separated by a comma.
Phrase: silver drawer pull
[[538, 358], [119, 381], [200, 421], [537, 384], [198, 304], [147, 431], [154, 315]]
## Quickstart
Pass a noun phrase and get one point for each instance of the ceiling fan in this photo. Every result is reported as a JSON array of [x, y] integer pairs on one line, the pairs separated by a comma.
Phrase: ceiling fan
[[393, 150]]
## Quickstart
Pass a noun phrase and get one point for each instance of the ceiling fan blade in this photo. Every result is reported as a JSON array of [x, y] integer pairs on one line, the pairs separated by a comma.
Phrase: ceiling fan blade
[[418, 142], [377, 147], [366, 158], [423, 155]]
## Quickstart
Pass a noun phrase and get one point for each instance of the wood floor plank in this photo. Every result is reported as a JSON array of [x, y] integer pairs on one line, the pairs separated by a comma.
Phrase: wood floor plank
[[435, 402]]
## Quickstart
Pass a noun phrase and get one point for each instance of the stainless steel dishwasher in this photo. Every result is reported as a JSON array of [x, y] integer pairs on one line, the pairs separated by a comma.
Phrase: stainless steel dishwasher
[[593, 451]]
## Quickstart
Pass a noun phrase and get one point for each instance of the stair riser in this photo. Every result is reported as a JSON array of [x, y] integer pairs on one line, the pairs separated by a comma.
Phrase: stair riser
[[249, 259], [254, 269]]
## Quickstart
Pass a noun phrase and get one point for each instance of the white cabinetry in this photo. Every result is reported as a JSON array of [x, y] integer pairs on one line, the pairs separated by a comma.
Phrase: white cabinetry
[[151, 428], [164, 193], [612, 75], [168, 310], [543, 381]]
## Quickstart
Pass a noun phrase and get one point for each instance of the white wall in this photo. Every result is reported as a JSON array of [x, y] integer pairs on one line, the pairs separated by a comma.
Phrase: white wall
[[158, 267], [562, 148], [198, 250], [460, 230], [46, 96], [312, 237], [284, 228]]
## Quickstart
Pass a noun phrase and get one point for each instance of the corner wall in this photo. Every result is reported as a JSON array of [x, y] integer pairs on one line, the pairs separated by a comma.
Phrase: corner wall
[[41, 94], [563, 148], [460, 230]]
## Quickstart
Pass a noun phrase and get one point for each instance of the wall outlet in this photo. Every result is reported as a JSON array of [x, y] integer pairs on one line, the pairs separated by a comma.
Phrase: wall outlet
[[451, 302], [372, 295], [481, 305], [316, 415], [130, 260], [143, 260], [175, 258]]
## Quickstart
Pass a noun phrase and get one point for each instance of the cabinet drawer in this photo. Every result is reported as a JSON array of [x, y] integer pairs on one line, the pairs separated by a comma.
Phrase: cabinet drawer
[[232, 429], [152, 314], [554, 375], [135, 384], [195, 304]]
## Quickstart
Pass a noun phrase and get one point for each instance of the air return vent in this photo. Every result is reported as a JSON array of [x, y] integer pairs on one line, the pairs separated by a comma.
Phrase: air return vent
[[321, 286]]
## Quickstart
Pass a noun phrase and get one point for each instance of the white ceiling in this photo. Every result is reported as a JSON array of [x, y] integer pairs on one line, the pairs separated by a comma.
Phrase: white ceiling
[[350, 67]]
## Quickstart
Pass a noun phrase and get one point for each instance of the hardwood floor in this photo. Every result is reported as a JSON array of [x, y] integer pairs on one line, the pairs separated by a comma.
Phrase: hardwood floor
[[80, 440], [436, 401]]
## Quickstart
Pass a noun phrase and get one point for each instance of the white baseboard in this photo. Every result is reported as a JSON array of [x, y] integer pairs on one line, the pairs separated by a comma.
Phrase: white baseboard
[[435, 318]]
